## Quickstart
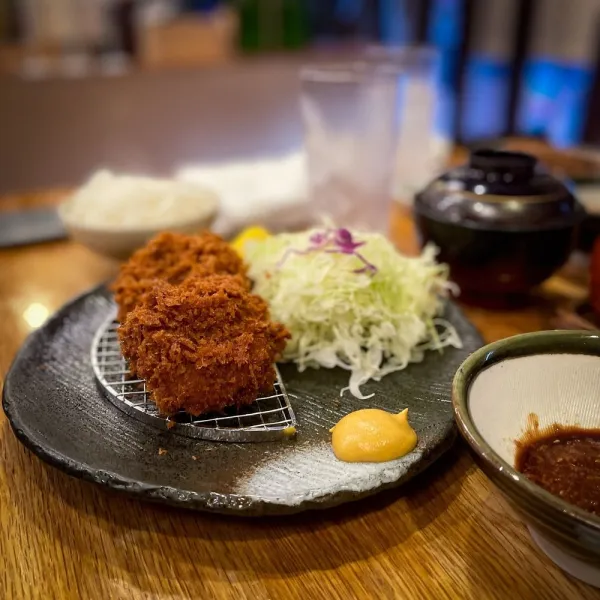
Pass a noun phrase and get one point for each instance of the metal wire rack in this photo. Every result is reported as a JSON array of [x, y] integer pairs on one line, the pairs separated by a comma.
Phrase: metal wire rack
[[270, 417]]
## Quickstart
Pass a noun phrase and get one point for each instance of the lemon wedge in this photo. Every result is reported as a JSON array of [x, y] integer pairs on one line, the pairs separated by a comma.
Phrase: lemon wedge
[[250, 234]]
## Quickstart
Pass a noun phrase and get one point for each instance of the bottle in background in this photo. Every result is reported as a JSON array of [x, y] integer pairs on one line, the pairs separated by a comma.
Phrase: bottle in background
[[272, 25], [295, 24], [398, 22], [445, 32], [4, 17], [485, 104], [558, 72]]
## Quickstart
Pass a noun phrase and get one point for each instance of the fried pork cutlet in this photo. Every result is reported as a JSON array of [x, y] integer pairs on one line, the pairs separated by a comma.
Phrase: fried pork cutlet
[[172, 257], [202, 345]]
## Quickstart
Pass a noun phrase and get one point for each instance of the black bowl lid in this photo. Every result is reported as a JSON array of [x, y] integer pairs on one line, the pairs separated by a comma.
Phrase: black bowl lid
[[500, 190], [518, 165]]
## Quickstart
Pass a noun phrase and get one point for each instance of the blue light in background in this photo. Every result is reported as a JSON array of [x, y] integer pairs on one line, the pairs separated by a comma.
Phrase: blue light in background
[[566, 127], [394, 25], [486, 98], [542, 80], [348, 11], [553, 100], [444, 31]]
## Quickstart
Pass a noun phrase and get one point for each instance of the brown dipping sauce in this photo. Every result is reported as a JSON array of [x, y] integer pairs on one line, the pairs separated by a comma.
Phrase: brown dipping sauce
[[565, 461]]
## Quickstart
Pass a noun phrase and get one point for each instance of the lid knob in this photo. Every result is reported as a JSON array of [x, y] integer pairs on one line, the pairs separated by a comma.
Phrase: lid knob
[[519, 164]]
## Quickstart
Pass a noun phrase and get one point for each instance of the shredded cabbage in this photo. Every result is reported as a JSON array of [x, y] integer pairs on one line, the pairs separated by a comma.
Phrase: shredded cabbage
[[371, 323]]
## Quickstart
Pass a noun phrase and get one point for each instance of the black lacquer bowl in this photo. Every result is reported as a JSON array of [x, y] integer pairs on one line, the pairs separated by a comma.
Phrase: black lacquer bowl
[[56, 409], [502, 224]]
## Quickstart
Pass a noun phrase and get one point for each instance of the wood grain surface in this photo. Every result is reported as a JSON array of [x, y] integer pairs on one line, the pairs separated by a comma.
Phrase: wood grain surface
[[449, 534]]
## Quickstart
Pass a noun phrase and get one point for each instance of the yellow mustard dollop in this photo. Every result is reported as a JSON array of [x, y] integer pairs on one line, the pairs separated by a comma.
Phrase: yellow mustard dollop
[[250, 234], [373, 435]]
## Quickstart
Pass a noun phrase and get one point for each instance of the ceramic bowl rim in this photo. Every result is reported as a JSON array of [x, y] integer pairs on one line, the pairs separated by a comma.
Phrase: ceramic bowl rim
[[206, 213], [518, 346]]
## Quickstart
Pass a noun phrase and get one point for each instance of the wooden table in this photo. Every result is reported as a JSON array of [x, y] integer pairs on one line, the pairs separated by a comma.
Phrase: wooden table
[[449, 534]]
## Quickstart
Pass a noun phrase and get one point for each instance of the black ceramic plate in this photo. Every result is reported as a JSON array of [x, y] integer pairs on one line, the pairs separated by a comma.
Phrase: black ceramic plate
[[56, 410]]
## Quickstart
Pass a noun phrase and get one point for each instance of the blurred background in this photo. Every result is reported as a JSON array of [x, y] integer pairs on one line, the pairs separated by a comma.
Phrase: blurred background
[[153, 85]]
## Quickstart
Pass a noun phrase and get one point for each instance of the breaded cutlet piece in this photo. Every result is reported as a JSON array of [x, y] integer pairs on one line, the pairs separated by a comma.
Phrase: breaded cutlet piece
[[172, 257], [203, 345]]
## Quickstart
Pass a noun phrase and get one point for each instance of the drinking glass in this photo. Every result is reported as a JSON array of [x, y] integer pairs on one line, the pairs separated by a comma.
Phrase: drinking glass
[[351, 135], [424, 142]]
